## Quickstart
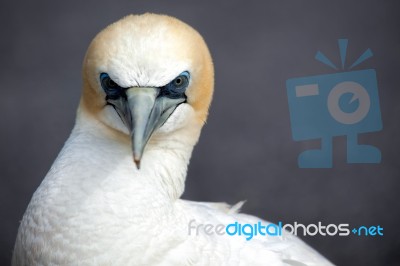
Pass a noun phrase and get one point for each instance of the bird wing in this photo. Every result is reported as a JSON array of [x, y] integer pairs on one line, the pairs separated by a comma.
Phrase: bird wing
[[286, 249]]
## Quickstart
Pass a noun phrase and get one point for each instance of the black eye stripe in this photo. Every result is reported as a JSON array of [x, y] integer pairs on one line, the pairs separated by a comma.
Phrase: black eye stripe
[[111, 83], [110, 87], [177, 87]]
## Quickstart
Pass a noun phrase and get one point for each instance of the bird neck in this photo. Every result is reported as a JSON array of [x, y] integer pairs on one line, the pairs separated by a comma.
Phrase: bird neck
[[98, 160]]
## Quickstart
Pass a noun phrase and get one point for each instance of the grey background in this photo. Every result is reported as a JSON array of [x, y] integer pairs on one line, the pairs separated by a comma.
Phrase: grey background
[[246, 150]]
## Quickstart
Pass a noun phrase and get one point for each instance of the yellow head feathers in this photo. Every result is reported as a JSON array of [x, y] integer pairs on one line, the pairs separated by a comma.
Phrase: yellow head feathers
[[145, 73], [148, 50]]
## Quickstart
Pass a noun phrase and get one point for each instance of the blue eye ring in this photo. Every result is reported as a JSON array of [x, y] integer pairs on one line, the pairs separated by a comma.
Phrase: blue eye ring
[[110, 87], [177, 87], [181, 81]]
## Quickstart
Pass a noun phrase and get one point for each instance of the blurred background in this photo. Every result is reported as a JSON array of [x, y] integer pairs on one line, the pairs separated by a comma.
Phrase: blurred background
[[246, 151]]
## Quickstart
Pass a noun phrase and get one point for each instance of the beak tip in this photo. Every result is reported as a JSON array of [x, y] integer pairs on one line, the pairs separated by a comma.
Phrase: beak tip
[[137, 162]]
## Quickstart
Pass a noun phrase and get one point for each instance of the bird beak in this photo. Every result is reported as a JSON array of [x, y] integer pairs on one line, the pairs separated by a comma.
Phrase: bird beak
[[143, 111]]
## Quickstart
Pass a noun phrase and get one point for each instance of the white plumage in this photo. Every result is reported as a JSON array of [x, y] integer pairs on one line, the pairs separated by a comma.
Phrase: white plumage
[[95, 207]]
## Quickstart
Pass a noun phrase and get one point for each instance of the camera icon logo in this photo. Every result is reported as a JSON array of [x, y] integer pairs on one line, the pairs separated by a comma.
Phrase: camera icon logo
[[339, 104]]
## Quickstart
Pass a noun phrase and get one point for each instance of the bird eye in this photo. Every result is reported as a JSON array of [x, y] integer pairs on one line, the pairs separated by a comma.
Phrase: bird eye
[[181, 81], [110, 87], [178, 81], [176, 88], [110, 83]]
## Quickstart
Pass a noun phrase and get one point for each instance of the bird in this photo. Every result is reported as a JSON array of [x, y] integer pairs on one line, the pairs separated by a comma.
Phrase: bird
[[113, 194]]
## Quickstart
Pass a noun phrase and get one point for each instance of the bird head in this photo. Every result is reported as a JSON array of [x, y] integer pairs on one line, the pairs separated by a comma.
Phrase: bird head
[[147, 75]]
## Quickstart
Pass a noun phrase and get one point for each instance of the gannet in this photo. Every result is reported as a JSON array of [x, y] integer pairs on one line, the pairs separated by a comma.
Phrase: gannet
[[112, 196]]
